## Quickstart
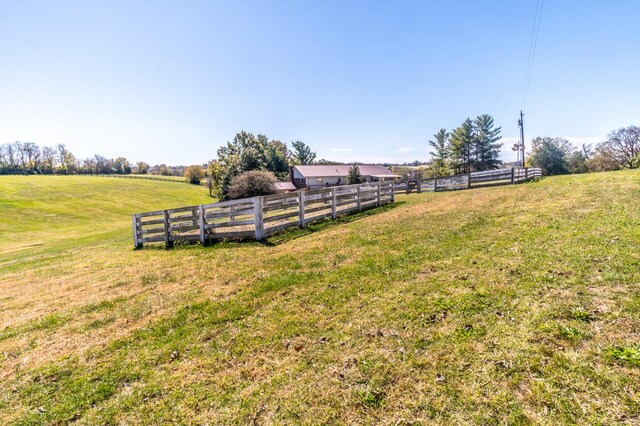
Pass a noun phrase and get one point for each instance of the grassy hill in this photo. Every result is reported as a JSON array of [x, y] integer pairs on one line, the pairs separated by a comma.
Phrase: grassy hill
[[64, 211], [516, 304]]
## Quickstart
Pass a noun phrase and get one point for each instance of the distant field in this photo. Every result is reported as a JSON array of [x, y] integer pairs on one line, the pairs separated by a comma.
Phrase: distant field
[[508, 305], [50, 212]]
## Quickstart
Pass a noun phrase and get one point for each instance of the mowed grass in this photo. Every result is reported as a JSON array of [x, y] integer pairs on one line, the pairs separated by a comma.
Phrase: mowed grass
[[48, 211], [509, 305]]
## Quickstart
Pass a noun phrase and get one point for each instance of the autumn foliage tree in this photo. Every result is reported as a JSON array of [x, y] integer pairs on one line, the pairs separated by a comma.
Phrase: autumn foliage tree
[[194, 174]]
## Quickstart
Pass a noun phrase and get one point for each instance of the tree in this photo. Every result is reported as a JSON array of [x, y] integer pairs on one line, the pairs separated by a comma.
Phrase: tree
[[29, 155], [143, 168], [194, 174], [252, 184], [121, 166], [277, 155], [353, 175], [103, 165], [163, 170], [49, 157], [577, 162], [325, 162], [88, 166], [486, 147], [67, 162], [246, 153], [550, 154], [622, 147], [461, 142], [440, 154], [302, 154]]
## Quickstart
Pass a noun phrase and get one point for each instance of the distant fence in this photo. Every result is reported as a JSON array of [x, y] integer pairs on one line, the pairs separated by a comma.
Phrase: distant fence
[[146, 177], [476, 179], [256, 217]]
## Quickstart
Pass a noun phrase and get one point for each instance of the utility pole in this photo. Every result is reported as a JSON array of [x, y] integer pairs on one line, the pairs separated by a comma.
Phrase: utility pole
[[521, 125]]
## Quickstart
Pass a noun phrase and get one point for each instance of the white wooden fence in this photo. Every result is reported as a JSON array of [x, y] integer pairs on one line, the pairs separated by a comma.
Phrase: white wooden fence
[[256, 217], [496, 177]]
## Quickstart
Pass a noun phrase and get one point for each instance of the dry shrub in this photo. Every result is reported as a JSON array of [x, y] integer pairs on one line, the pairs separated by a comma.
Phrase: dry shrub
[[252, 184]]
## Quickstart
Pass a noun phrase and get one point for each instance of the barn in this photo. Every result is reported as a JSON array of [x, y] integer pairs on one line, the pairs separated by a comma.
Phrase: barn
[[315, 177]]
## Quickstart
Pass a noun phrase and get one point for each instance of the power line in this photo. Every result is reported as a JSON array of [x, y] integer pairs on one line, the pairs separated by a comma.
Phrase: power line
[[533, 44]]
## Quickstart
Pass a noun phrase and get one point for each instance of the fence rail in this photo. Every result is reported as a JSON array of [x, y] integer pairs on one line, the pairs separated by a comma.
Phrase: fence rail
[[256, 217]]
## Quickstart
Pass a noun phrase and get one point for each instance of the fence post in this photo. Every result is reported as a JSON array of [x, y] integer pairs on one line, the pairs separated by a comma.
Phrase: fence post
[[378, 193], [513, 169], [259, 218], [526, 173], [167, 240], [469, 180], [201, 223], [435, 185], [419, 186], [393, 191], [334, 208], [136, 243], [301, 214], [358, 196]]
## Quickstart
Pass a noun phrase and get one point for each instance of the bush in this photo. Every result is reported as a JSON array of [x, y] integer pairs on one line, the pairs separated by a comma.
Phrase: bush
[[252, 184], [194, 174], [354, 176]]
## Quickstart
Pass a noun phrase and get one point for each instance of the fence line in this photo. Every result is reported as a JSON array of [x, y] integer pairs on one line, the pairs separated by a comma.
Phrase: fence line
[[163, 179], [256, 217], [496, 177]]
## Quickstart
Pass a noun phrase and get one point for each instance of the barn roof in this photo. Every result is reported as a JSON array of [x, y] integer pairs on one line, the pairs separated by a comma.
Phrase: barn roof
[[375, 170]]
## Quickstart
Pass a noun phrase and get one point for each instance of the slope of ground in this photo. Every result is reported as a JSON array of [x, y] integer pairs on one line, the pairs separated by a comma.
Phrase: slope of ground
[[515, 304], [56, 211]]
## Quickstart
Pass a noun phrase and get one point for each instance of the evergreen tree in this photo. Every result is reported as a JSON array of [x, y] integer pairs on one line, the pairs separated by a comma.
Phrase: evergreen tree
[[486, 149], [440, 154], [302, 154], [354, 176], [461, 144]]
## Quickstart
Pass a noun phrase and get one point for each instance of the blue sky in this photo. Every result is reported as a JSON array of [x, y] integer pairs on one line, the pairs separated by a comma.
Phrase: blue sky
[[169, 82]]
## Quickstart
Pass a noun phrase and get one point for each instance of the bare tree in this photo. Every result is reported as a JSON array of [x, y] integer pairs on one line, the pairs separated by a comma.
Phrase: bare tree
[[49, 160], [622, 147], [31, 155]]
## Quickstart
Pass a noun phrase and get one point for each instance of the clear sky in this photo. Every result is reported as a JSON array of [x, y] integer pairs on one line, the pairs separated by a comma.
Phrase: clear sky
[[169, 82]]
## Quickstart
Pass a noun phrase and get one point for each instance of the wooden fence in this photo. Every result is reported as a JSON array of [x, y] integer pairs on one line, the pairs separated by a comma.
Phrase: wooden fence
[[256, 217], [476, 179]]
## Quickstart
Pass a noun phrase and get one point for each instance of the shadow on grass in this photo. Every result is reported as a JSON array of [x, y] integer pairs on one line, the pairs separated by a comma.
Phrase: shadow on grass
[[283, 236], [311, 228]]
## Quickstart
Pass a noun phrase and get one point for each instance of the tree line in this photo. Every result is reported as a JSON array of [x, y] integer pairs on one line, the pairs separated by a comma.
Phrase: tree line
[[30, 158], [473, 146], [621, 150]]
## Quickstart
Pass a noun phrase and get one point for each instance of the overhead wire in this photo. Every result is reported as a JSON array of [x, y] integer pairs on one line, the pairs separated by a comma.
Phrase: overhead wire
[[533, 44]]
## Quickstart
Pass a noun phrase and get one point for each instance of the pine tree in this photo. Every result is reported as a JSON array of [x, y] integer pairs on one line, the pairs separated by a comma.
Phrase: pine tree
[[486, 149], [440, 153], [461, 145], [354, 176], [302, 153]]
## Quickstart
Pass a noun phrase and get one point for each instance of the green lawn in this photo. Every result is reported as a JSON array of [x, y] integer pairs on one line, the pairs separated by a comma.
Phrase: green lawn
[[61, 211], [509, 305]]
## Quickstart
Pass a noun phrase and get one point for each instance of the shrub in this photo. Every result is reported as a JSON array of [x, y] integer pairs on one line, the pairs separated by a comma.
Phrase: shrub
[[194, 174], [252, 184], [354, 176]]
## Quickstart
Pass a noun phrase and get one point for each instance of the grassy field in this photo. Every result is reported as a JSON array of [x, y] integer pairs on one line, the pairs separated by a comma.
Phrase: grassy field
[[508, 305]]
